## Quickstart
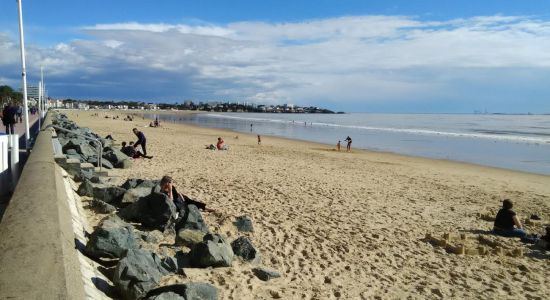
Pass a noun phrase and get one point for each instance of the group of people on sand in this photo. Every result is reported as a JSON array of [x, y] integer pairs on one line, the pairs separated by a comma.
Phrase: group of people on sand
[[220, 145], [348, 147], [131, 149], [508, 224], [155, 123]]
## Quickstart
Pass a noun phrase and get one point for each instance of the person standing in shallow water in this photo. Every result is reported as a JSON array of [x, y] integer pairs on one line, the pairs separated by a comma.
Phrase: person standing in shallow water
[[141, 140], [348, 147]]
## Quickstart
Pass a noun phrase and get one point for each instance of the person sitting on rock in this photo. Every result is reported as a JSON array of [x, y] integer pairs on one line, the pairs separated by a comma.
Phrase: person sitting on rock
[[505, 221], [180, 200]]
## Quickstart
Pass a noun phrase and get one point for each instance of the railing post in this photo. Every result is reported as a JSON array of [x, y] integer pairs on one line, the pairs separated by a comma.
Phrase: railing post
[[14, 159], [99, 145]]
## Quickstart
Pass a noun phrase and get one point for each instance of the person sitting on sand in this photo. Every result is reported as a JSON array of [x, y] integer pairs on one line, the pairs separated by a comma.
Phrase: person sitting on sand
[[132, 152], [505, 221], [220, 145], [167, 187]]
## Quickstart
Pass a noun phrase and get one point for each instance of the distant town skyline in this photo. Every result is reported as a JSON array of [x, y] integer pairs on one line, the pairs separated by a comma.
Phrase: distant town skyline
[[392, 56]]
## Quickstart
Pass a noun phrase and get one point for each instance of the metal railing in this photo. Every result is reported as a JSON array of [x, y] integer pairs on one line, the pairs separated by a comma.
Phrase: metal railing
[[99, 145], [9, 162]]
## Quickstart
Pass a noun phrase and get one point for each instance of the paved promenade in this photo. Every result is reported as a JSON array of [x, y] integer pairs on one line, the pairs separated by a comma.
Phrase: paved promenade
[[20, 130]]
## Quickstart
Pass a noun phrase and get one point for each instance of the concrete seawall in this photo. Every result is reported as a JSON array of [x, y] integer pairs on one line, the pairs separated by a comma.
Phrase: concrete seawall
[[38, 259]]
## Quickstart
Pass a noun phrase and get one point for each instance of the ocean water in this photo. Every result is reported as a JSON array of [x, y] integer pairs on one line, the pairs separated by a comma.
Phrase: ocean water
[[517, 142]]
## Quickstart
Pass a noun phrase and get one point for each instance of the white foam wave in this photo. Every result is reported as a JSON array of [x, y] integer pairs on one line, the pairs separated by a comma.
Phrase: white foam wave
[[499, 137]]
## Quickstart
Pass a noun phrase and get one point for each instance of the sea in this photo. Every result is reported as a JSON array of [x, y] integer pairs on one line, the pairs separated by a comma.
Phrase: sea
[[516, 142]]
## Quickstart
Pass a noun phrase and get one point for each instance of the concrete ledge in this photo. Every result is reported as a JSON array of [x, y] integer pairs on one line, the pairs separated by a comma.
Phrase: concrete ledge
[[38, 259]]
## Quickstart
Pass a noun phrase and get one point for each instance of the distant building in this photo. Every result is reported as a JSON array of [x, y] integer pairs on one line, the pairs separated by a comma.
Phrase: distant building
[[151, 106], [83, 106]]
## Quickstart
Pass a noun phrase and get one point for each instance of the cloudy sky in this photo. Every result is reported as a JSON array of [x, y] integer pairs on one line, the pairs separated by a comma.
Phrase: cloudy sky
[[389, 56]]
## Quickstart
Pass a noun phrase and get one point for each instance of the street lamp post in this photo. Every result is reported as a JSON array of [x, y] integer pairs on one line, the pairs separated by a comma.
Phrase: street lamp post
[[23, 74]]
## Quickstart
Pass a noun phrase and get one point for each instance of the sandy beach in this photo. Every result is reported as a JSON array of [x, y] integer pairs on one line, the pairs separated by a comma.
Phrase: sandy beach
[[343, 225]]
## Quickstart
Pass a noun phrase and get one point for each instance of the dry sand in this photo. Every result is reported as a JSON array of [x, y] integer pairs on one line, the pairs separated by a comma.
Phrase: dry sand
[[344, 225]]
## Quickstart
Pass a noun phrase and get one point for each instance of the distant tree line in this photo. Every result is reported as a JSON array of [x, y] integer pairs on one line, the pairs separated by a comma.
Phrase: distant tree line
[[9, 94], [217, 107]]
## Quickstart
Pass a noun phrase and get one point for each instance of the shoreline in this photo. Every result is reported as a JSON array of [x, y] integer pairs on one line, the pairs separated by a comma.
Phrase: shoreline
[[333, 147]]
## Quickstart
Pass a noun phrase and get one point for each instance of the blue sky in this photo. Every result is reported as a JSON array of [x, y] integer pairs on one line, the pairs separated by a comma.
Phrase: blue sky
[[380, 56]]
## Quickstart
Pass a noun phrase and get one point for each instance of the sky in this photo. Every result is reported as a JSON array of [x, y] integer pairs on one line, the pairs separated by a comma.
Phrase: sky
[[355, 56]]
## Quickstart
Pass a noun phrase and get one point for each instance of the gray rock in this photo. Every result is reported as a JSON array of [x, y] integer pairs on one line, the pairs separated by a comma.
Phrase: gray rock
[[154, 211], [80, 146], [213, 251], [244, 224], [99, 179], [71, 152], [265, 274], [170, 264], [137, 273], [86, 150], [131, 183], [166, 296], [152, 236], [102, 206], [189, 237], [111, 238], [243, 247], [191, 219], [187, 291], [109, 194], [115, 156], [86, 188], [125, 164], [106, 142], [104, 163], [132, 195], [148, 183]]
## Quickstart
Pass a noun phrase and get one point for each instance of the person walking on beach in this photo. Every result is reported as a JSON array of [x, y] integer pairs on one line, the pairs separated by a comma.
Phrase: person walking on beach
[[141, 140], [259, 140], [338, 146], [8, 118], [348, 147]]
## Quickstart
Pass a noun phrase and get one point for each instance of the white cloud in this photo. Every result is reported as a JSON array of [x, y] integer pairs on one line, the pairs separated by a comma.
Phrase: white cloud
[[362, 58]]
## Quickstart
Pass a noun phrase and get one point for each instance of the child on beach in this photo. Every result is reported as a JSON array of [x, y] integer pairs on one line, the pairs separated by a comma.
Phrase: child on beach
[[259, 140], [338, 146], [505, 221]]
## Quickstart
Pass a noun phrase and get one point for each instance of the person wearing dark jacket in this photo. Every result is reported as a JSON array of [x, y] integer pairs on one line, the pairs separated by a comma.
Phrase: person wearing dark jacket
[[141, 140], [505, 221], [8, 118]]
